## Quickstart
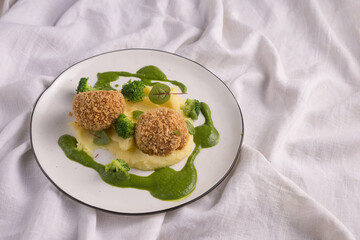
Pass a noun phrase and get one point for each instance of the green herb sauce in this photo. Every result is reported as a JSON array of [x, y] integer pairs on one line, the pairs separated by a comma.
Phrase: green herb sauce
[[147, 75], [164, 183]]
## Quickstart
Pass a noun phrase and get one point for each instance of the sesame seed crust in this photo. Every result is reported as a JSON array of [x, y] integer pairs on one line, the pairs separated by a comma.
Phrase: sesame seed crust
[[157, 132], [97, 110]]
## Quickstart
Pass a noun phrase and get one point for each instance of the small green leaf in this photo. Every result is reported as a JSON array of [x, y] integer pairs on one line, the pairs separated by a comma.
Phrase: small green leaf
[[100, 138], [190, 127], [136, 114], [177, 133], [160, 93]]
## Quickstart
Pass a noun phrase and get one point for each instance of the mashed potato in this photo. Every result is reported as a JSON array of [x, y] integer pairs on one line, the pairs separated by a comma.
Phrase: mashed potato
[[126, 149]]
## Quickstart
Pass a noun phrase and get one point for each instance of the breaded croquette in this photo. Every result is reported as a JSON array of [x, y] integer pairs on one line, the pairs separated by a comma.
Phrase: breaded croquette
[[97, 110], [160, 132]]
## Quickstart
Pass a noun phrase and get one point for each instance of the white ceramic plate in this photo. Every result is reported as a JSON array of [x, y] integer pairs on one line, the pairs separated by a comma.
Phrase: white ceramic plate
[[50, 120]]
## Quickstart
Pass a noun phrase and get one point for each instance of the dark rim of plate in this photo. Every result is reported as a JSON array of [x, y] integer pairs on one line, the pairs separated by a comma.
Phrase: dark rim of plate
[[157, 211]]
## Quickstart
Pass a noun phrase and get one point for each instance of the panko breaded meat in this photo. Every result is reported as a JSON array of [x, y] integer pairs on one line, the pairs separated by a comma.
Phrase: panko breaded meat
[[160, 132], [97, 110]]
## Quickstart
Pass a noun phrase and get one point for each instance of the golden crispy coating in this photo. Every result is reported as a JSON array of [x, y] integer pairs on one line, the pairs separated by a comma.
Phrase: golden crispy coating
[[97, 110], [161, 131]]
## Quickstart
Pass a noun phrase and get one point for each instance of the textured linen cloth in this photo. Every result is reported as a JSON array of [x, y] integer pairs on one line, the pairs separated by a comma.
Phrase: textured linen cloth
[[293, 66]]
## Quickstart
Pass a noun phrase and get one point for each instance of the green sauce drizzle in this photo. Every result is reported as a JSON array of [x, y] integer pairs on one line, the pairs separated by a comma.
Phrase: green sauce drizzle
[[147, 75], [164, 183], [104, 80], [206, 135]]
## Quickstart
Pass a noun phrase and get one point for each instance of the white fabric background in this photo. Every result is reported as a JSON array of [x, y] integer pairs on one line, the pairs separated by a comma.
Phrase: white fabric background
[[293, 67]]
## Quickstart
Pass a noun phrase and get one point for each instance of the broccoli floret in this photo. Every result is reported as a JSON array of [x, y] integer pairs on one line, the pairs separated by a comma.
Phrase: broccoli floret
[[191, 108], [84, 87], [133, 90], [124, 127], [120, 167]]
